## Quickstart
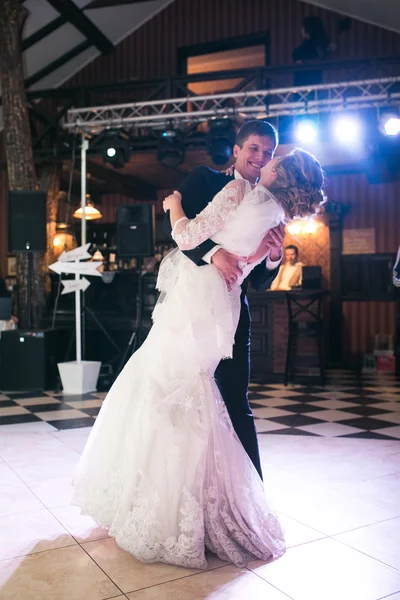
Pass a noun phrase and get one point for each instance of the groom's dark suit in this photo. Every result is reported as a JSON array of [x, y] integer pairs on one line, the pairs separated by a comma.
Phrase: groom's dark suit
[[231, 376]]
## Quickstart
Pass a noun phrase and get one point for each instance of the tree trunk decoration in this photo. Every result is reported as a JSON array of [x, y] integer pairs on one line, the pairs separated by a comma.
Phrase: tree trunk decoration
[[50, 182], [18, 146]]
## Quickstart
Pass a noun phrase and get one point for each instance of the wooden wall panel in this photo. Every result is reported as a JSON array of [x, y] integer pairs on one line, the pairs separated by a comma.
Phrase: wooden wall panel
[[151, 51]]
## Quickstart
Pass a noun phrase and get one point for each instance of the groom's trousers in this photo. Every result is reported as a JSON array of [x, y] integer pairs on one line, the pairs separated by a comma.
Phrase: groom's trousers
[[232, 377]]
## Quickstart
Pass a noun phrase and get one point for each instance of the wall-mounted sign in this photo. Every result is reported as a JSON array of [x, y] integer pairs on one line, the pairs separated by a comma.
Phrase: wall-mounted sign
[[358, 241]]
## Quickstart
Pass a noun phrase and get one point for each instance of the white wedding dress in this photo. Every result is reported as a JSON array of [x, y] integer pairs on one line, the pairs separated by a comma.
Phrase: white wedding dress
[[163, 468]]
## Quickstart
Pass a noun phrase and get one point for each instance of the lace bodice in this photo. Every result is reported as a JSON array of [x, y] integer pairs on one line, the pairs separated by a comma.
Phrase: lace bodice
[[237, 219]]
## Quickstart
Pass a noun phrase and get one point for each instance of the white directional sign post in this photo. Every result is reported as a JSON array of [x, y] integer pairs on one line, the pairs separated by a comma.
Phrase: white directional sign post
[[86, 268], [69, 263], [78, 376], [71, 285], [80, 253]]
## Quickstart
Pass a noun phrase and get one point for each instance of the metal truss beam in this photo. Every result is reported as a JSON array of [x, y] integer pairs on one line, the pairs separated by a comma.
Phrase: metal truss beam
[[356, 95]]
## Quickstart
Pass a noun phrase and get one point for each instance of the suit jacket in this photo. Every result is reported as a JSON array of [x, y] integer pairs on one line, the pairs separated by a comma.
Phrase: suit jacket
[[197, 190]]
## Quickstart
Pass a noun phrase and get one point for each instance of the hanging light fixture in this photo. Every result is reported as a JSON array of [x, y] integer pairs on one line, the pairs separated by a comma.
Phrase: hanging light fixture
[[91, 212], [62, 212]]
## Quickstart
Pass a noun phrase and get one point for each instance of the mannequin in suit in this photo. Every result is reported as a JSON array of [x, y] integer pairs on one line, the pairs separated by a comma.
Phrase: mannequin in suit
[[255, 146]]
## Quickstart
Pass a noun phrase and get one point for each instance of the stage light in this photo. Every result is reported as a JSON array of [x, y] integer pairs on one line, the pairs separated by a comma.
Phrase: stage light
[[116, 147], [306, 132], [220, 140], [347, 129], [171, 148], [392, 126]]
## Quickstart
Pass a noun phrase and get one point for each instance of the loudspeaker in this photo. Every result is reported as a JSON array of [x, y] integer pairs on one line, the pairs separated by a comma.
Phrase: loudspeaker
[[27, 221], [312, 278], [135, 230], [28, 359]]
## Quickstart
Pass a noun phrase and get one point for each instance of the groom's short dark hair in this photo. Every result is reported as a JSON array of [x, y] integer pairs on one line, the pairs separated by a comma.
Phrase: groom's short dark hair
[[256, 127]]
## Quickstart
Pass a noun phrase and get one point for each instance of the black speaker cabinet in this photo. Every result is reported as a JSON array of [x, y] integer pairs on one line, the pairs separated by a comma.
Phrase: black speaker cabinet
[[26, 221], [312, 278], [28, 360], [135, 230]]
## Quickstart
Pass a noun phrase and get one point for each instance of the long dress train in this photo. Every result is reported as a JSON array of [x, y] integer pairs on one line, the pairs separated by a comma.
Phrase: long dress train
[[163, 468]]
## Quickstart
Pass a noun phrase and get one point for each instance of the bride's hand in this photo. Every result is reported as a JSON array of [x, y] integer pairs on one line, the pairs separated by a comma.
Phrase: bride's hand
[[172, 200], [229, 172]]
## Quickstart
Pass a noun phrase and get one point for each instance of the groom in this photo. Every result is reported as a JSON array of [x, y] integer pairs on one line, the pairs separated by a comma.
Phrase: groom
[[255, 146]]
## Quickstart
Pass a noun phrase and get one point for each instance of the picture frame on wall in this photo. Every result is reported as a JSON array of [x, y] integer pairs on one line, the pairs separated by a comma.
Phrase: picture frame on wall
[[11, 266]]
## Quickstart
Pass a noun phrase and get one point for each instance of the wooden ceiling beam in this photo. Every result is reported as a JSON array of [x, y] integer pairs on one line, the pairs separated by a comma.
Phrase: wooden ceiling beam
[[59, 62], [74, 15], [108, 3], [43, 32]]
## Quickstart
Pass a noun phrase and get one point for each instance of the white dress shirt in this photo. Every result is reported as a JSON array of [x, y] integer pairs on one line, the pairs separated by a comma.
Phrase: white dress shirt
[[271, 264]]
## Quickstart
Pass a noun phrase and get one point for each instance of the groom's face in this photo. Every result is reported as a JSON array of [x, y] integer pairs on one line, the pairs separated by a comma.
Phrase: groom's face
[[255, 153]]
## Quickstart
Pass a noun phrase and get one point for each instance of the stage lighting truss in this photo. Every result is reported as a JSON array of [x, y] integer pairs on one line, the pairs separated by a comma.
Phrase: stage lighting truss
[[274, 103]]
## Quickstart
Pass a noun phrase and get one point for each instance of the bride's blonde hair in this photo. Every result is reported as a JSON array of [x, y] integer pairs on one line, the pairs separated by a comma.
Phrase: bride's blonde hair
[[299, 184]]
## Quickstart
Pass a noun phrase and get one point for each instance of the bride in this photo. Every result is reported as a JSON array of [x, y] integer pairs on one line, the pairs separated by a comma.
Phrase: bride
[[163, 469]]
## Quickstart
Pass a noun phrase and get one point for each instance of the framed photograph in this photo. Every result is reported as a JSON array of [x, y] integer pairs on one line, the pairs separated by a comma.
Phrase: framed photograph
[[11, 266]]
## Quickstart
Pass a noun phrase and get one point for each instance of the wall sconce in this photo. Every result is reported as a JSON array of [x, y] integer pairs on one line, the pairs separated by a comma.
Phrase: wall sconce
[[62, 241], [310, 227], [294, 228], [58, 240], [305, 227]]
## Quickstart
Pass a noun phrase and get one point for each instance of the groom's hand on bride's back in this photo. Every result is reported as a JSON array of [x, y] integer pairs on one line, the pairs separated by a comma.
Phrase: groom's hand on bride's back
[[228, 265]]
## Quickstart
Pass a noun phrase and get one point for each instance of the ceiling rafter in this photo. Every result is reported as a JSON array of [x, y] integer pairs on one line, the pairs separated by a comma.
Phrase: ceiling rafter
[[74, 15], [110, 3], [59, 62], [43, 32]]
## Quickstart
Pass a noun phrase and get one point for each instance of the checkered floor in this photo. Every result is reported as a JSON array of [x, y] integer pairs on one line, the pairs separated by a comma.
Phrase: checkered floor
[[346, 407], [59, 411]]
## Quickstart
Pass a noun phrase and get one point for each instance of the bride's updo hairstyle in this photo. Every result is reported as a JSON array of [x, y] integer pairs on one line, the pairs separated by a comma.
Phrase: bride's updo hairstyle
[[298, 184]]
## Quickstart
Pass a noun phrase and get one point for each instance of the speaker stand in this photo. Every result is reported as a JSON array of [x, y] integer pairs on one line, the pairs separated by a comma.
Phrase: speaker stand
[[87, 310], [30, 269], [135, 340]]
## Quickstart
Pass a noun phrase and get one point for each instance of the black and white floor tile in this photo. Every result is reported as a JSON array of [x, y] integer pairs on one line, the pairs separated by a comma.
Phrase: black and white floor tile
[[59, 411], [345, 407]]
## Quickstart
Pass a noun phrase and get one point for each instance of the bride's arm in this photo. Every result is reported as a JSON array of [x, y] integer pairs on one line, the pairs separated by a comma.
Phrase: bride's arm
[[173, 203], [190, 233], [259, 254], [269, 241]]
